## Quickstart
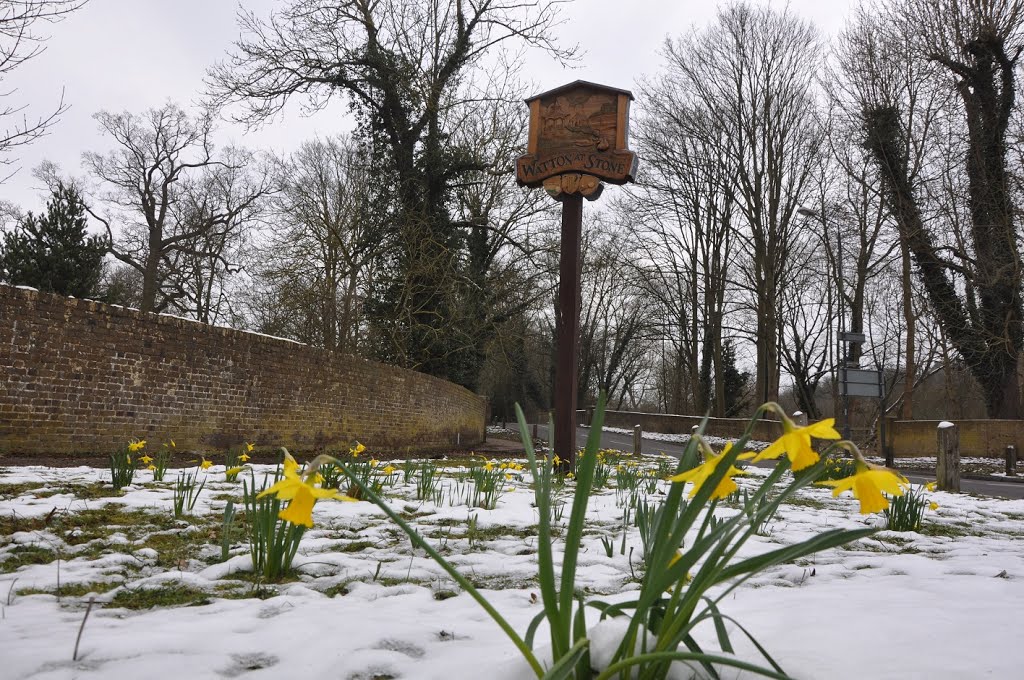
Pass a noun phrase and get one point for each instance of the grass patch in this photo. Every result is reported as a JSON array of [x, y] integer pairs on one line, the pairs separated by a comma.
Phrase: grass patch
[[357, 546], [24, 555], [944, 529], [72, 589], [101, 522], [806, 502], [175, 547], [9, 491], [258, 580], [169, 595], [88, 491], [10, 524], [241, 591], [337, 589]]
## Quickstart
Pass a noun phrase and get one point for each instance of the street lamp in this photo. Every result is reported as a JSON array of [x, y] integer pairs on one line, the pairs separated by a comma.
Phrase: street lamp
[[841, 354]]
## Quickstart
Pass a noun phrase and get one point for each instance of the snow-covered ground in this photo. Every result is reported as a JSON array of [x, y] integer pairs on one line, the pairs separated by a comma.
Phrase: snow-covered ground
[[994, 466], [716, 442], [943, 603]]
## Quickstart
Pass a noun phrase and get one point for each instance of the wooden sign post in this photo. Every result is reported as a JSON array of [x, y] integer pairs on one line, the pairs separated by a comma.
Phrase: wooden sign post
[[578, 138]]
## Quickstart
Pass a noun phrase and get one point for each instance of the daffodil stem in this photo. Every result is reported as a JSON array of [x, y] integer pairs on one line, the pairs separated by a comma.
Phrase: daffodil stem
[[852, 448]]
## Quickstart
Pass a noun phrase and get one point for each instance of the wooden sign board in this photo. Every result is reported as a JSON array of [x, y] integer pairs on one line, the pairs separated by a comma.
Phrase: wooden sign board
[[578, 128]]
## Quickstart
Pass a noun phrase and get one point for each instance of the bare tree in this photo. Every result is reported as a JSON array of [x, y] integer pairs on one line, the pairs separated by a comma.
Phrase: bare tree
[[172, 199], [615, 320], [806, 315], [976, 44], [682, 222], [754, 71], [313, 266], [19, 42], [406, 68]]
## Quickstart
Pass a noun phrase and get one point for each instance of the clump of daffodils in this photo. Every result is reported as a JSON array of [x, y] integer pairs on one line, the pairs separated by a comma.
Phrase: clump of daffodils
[[160, 461], [235, 460], [122, 463]]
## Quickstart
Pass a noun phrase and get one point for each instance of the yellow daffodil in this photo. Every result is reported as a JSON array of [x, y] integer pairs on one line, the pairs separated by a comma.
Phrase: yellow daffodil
[[389, 469], [301, 494], [373, 462], [556, 460], [136, 445], [569, 475], [488, 466], [205, 464], [151, 467], [703, 472], [231, 473], [867, 485], [931, 485], [933, 506], [172, 444], [508, 476], [244, 458], [357, 449], [145, 460], [249, 447], [795, 442]]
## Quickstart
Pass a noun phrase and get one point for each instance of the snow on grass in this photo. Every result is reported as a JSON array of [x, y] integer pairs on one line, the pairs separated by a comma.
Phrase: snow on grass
[[716, 442], [942, 603]]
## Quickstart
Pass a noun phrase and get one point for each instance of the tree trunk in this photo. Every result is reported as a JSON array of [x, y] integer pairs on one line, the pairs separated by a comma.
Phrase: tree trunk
[[150, 277], [909, 373]]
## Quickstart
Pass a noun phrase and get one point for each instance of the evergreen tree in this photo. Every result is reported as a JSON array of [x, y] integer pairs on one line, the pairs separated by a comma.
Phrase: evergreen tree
[[737, 383], [52, 252]]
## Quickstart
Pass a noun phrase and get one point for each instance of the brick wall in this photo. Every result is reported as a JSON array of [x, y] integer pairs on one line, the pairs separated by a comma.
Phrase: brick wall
[[84, 377]]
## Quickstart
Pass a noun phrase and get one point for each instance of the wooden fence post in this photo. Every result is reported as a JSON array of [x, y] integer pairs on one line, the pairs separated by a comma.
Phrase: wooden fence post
[[1011, 460], [638, 437], [947, 469]]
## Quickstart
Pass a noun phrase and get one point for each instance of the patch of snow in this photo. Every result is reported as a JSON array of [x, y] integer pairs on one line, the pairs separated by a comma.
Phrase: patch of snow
[[895, 605]]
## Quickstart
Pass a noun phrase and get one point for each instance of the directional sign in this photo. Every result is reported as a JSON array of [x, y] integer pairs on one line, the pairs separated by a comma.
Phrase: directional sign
[[857, 382], [859, 375], [858, 338]]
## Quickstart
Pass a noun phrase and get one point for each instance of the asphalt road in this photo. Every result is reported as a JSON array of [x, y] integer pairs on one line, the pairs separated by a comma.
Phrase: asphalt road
[[624, 442]]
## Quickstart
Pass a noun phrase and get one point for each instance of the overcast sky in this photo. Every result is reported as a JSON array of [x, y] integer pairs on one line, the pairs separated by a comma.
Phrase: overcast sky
[[132, 55]]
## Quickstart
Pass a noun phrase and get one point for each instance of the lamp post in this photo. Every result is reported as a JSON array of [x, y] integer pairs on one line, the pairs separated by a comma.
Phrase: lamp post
[[841, 355]]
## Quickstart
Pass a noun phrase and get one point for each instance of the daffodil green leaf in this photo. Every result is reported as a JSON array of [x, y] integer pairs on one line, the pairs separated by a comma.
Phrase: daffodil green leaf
[[567, 664]]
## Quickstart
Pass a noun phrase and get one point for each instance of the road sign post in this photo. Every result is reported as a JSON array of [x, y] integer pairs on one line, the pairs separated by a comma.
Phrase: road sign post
[[577, 140]]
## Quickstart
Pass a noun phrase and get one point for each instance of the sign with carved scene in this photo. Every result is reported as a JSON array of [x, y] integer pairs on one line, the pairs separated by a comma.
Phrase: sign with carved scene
[[580, 128]]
